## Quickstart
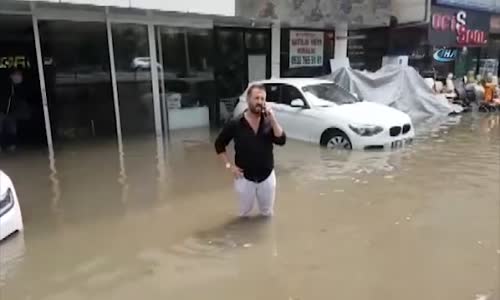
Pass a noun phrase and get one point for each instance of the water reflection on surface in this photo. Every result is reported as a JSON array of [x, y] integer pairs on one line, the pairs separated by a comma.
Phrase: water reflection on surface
[[155, 220]]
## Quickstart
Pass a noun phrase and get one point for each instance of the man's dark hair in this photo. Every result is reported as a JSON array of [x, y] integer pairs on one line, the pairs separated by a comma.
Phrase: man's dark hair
[[256, 86]]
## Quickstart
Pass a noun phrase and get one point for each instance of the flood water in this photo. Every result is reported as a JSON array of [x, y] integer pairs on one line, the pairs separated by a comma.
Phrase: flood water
[[419, 223]]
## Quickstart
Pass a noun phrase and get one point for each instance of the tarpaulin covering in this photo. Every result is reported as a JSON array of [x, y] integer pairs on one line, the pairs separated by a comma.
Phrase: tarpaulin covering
[[397, 86]]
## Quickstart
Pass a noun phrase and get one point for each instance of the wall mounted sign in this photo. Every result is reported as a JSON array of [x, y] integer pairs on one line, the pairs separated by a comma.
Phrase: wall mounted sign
[[458, 28], [445, 55], [306, 48], [14, 61]]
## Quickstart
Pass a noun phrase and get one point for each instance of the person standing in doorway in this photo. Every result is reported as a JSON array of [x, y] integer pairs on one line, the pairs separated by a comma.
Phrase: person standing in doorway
[[13, 108], [254, 134]]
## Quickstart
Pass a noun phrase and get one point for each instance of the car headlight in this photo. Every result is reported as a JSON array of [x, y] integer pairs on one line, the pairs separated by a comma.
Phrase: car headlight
[[366, 130], [6, 202]]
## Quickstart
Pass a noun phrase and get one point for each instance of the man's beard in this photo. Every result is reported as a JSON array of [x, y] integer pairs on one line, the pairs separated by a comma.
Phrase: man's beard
[[257, 109]]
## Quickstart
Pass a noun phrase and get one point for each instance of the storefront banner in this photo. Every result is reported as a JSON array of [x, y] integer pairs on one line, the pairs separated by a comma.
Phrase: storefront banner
[[306, 48], [458, 28]]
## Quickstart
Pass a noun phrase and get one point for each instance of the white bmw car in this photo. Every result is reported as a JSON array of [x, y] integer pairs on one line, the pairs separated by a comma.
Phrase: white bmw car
[[11, 219], [320, 111]]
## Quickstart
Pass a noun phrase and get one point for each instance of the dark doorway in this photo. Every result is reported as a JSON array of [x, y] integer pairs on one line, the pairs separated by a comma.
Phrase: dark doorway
[[20, 99], [233, 48]]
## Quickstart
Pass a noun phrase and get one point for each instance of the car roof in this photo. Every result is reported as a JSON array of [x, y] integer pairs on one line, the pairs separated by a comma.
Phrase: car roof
[[297, 82]]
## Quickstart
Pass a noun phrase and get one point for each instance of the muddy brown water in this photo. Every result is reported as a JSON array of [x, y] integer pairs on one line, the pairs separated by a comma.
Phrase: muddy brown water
[[419, 223]]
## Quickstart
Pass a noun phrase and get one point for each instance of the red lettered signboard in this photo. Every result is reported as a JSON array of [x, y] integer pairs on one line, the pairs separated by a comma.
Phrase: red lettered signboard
[[306, 48], [458, 28]]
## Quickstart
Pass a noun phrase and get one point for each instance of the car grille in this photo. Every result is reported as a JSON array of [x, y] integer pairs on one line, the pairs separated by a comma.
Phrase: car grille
[[406, 128], [395, 130], [4, 203], [7, 203]]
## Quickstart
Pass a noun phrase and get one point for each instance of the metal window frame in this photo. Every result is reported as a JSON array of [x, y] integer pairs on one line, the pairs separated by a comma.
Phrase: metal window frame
[[114, 85], [109, 16]]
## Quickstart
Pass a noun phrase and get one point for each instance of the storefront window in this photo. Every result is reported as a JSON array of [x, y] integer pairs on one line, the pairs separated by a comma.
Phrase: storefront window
[[186, 76], [466, 61], [77, 75], [133, 78], [231, 68], [200, 44], [490, 56], [257, 40], [413, 42], [365, 48]]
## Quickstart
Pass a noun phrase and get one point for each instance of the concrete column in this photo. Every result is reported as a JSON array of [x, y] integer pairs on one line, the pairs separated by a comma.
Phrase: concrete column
[[275, 49], [154, 78], [340, 41], [41, 76]]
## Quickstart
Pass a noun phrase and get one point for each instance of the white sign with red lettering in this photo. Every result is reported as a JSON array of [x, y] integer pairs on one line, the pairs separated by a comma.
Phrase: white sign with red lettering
[[306, 48]]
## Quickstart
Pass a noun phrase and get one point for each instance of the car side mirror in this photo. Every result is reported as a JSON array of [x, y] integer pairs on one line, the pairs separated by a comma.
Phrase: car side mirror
[[298, 103]]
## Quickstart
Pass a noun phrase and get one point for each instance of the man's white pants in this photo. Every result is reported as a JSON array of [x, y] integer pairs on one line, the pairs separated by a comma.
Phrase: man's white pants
[[264, 192]]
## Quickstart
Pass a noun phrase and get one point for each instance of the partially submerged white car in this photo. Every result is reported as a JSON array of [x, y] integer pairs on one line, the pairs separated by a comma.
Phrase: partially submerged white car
[[320, 111], [11, 219]]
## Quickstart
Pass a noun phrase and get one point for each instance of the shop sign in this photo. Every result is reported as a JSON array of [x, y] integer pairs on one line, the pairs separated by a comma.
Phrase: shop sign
[[14, 61], [306, 48], [458, 28], [445, 55]]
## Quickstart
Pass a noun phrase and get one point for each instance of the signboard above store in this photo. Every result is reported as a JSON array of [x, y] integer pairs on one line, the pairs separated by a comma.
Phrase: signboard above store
[[458, 28], [317, 13], [306, 49], [482, 5]]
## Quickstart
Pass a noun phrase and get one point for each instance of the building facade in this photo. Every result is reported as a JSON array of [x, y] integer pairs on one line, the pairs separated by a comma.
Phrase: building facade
[[97, 72], [126, 68], [447, 37]]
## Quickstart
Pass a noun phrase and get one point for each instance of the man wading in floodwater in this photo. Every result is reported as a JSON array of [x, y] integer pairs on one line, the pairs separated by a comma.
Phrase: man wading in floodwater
[[254, 133]]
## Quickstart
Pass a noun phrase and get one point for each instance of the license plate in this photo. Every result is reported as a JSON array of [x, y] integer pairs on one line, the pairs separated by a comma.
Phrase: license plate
[[397, 144], [400, 143]]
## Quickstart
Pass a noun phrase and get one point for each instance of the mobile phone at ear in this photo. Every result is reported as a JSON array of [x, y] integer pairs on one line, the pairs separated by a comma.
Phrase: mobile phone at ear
[[264, 110]]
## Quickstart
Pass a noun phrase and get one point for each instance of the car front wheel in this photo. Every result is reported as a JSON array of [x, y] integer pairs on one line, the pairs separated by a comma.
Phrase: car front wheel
[[336, 139]]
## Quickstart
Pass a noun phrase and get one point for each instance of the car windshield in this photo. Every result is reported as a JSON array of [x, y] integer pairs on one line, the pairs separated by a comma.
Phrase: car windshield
[[331, 92]]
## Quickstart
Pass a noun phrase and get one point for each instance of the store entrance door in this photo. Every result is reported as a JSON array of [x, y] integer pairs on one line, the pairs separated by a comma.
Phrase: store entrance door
[[242, 55], [256, 67]]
